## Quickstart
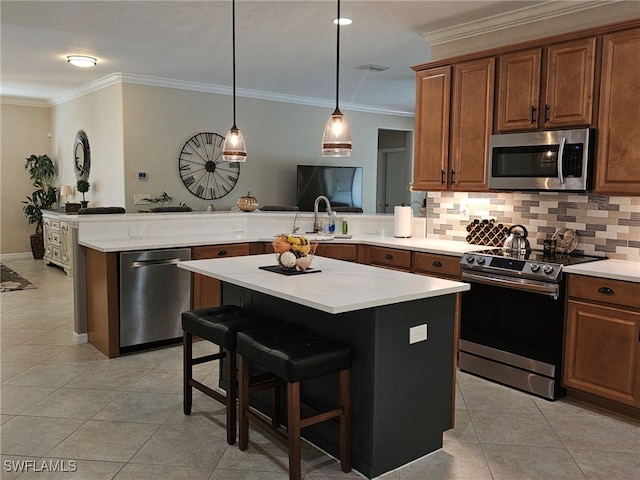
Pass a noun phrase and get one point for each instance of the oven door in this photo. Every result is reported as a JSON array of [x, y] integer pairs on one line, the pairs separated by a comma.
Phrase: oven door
[[513, 333]]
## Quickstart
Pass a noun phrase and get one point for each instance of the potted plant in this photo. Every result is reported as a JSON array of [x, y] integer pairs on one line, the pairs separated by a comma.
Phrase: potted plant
[[83, 187], [41, 171]]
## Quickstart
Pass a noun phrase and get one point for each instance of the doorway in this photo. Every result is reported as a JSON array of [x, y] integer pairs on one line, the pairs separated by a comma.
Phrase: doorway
[[394, 169]]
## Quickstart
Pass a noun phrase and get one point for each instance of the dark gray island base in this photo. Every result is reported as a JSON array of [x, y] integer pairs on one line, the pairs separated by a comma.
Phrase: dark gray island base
[[402, 392]]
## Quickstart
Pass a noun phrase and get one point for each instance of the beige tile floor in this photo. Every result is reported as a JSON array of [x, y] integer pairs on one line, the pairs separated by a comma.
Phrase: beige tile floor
[[122, 418]]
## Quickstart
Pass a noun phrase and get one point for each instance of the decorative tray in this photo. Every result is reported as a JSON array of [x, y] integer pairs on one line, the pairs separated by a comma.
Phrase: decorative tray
[[486, 232], [281, 271]]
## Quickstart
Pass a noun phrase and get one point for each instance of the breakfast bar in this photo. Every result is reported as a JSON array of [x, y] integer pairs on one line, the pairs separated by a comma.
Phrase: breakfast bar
[[400, 328]]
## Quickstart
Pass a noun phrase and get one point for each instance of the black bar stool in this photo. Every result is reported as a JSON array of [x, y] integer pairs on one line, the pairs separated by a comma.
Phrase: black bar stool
[[294, 354], [218, 325]]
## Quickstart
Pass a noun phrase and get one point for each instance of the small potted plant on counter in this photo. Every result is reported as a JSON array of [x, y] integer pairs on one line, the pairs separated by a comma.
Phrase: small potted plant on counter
[[83, 187], [41, 171]]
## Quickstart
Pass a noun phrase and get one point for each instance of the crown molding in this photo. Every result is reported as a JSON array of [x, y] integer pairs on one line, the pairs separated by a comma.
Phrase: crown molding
[[120, 78], [24, 101], [504, 21]]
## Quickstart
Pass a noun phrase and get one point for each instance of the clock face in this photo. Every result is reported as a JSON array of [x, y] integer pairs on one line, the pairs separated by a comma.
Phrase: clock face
[[201, 167]]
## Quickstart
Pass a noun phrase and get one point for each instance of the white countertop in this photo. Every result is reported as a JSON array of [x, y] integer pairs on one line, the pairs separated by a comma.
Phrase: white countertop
[[613, 269], [443, 247], [339, 287]]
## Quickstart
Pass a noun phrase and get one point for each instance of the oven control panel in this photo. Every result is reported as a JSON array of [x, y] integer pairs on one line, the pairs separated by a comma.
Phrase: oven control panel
[[511, 266]]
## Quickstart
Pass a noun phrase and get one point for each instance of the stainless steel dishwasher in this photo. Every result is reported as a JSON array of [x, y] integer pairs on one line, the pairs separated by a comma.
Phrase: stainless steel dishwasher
[[153, 294]]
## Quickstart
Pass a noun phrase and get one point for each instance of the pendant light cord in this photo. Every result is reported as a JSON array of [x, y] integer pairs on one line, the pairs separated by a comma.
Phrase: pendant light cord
[[233, 48], [338, 56]]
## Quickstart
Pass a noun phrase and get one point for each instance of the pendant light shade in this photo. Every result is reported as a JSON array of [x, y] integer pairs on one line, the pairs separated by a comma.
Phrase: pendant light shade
[[336, 140], [234, 148]]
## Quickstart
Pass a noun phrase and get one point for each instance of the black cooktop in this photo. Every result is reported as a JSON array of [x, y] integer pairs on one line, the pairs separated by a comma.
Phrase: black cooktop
[[542, 257]]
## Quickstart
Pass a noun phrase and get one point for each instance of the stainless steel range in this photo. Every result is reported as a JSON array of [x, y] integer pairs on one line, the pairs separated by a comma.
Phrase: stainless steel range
[[512, 320]]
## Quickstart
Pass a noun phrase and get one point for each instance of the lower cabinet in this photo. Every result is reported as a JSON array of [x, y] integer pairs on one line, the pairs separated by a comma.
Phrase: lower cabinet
[[392, 258], [206, 290], [602, 339], [444, 266], [338, 251]]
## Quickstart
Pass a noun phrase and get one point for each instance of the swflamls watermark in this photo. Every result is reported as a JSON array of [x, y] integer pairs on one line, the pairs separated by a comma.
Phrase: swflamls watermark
[[21, 466]]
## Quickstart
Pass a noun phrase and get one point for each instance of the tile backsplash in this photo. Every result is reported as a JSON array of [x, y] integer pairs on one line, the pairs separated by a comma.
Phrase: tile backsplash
[[607, 226]]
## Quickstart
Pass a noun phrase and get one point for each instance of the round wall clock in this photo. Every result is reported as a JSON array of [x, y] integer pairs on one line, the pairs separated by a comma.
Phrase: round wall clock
[[201, 167]]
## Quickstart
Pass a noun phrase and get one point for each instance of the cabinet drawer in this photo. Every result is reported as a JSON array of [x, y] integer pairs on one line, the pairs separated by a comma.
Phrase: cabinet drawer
[[604, 290], [340, 252], [390, 257], [441, 265], [221, 251], [55, 237], [55, 225], [55, 254]]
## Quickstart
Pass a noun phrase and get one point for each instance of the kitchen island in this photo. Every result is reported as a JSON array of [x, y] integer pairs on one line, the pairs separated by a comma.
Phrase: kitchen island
[[400, 328]]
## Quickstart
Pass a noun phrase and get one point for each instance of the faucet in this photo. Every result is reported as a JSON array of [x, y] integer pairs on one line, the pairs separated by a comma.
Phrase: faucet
[[317, 225]]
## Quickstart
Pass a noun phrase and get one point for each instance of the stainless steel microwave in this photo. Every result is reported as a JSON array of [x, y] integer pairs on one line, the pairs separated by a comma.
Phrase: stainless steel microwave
[[554, 160]]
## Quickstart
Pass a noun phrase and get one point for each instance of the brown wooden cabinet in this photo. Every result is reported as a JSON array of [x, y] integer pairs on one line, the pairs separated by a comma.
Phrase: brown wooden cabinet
[[393, 258], [471, 124], [443, 266], [602, 339], [618, 155], [206, 290], [339, 251], [558, 93], [452, 144], [433, 107]]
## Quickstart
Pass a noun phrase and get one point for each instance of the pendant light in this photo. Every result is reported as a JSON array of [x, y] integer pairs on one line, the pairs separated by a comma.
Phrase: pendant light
[[234, 149], [336, 140]]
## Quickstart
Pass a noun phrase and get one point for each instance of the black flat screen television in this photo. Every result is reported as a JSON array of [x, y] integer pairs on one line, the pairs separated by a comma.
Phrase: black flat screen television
[[341, 185]]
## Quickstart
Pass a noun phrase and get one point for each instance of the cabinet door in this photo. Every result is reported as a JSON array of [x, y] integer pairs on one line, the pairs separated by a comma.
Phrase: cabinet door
[[206, 290], [431, 159], [570, 84], [519, 90], [618, 157], [602, 352], [471, 124]]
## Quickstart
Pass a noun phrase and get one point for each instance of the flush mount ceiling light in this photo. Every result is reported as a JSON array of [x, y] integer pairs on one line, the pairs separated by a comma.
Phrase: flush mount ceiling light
[[342, 21], [234, 149], [336, 140], [82, 61]]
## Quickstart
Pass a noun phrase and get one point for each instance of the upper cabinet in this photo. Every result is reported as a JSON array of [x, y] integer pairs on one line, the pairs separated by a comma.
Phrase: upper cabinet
[[453, 125], [433, 108], [618, 154], [554, 95]]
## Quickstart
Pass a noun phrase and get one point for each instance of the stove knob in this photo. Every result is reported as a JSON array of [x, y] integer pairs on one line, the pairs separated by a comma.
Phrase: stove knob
[[480, 260], [535, 267], [470, 258], [548, 269]]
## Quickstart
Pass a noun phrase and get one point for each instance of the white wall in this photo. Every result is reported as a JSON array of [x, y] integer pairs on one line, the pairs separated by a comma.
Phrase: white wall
[[99, 114], [23, 132], [158, 121]]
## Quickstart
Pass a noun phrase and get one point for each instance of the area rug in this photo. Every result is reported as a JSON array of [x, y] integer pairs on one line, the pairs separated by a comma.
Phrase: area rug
[[11, 281]]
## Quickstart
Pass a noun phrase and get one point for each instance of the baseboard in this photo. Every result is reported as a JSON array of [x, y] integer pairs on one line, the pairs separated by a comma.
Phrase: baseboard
[[79, 338], [16, 256]]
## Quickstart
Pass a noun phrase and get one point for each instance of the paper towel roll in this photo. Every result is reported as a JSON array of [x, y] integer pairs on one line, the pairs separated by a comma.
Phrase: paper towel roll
[[402, 222]]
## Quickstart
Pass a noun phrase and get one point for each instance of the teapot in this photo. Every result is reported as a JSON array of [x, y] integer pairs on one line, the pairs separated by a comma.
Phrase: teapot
[[516, 243]]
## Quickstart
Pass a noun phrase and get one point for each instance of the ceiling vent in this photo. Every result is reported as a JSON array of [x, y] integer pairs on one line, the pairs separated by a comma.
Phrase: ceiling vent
[[373, 68]]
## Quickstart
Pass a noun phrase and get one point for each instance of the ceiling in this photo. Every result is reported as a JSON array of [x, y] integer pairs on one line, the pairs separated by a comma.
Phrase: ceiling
[[285, 50]]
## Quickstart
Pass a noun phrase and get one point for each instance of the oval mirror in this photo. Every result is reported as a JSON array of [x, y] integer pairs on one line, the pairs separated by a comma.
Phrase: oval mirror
[[82, 156]]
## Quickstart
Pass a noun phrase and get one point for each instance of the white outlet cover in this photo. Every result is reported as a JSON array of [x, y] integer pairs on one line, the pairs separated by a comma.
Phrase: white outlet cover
[[417, 334]]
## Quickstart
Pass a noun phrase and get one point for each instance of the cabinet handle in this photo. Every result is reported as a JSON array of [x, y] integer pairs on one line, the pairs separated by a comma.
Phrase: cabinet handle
[[453, 174], [546, 113], [388, 256], [533, 114], [441, 177], [606, 291], [437, 263], [223, 253]]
